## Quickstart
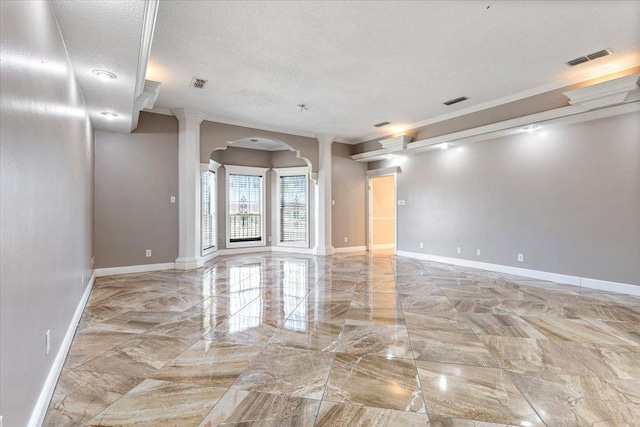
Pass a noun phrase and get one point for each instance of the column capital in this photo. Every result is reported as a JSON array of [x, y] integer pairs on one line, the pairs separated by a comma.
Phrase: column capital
[[188, 115], [325, 138]]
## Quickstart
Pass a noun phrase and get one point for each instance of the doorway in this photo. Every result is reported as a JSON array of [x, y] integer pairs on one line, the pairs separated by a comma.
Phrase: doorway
[[382, 212]]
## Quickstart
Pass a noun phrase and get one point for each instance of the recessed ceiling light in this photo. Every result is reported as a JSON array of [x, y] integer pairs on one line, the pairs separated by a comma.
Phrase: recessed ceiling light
[[109, 115], [104, 75], [531, 128], [444, 146]]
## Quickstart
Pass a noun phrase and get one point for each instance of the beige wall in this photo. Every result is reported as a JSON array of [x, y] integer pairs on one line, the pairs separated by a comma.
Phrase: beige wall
[[383, 210], [570, 201], [348, 215], [46, 202], [136, 175], [216, 135]]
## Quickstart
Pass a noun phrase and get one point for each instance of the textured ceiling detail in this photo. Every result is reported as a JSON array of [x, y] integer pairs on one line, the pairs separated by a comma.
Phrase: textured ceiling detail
[[360, 63]]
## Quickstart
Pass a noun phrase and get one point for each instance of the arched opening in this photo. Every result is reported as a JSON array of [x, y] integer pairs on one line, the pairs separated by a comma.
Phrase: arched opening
[[265, 196]]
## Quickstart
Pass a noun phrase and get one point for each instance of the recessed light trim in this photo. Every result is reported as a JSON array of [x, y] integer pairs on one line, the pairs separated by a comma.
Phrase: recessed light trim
[[109, 114], [104, 74]]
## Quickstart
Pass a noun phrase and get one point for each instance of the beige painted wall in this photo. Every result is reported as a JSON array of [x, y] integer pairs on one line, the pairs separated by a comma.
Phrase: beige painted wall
[[383, 210], [136, 175], [216, 135], [570, 201], [348, 215], [46, 202]]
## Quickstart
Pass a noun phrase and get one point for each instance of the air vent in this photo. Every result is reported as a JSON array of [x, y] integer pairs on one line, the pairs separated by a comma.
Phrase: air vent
[[381, 124], [590, 57], [455, 101], [198, 83]]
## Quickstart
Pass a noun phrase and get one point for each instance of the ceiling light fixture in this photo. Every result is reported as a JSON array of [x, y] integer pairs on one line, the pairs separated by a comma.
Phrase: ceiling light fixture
[[531, 128], [253, 140], [303, 107], [444, 145], [109, 115], [104, 74]]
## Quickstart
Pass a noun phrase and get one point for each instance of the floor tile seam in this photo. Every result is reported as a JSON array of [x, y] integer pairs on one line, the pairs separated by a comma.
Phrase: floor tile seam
[[524, 396], [133, 336]]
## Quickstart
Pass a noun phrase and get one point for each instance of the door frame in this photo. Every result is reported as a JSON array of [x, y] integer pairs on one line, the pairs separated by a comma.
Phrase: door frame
[[377, 173]]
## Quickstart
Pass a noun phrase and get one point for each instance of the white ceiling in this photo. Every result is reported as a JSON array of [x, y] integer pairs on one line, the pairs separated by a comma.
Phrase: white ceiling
[[257, 143], [104, 35], [359, 63]]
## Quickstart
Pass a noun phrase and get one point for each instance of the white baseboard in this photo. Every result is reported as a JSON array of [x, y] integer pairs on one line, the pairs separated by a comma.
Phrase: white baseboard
[[247, 250], [383, 246], [535, 274], [112, 271], [350, 249], [292, 250], [40, 410]]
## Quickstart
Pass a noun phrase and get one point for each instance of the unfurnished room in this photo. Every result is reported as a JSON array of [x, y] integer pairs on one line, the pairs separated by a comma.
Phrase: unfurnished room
[[320, 213]]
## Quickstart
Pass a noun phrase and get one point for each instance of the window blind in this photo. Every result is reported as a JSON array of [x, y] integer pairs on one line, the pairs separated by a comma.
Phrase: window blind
[[245, 208], [208, 185], [293, 208]]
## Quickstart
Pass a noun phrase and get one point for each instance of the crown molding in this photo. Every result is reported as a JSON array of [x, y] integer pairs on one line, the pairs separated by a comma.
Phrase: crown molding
[[589, 75], [148, 27], [604, 94]]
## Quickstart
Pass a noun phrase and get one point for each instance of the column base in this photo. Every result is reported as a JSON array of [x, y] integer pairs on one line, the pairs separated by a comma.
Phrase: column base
[[324, 251], [189, 263]]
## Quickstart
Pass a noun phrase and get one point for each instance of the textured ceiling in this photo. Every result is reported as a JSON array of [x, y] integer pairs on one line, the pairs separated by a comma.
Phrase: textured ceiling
[[360, 63], [104, 35], [260, 144]]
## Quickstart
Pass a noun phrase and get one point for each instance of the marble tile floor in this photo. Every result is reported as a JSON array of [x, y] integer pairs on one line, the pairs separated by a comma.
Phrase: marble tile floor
[[359, 339]]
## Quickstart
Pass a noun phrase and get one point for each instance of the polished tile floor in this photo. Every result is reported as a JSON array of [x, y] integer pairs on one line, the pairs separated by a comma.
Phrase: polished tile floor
[[364, 339]]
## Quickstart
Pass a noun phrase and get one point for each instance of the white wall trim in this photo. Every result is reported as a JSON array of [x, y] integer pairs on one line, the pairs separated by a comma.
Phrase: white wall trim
[[40, 410], [383, 245], [128, 269], [350, 249], [535, 274], [292, 249]]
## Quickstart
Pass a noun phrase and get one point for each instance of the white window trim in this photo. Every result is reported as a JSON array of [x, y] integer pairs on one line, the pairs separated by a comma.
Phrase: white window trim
[[302, 170], [253, 171], [211, 167]]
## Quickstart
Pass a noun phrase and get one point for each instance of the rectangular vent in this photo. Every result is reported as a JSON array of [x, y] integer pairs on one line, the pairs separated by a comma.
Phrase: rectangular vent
[[381, 124], [198, 83], [590, 57], [455, 101]]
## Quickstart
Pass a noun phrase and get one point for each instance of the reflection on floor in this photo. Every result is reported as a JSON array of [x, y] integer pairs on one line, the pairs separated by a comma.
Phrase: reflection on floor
[[366, 339]]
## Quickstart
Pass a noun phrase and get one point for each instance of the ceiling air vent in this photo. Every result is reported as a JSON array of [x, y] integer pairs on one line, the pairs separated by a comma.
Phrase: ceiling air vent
[[198, 83], [381, 124], [590, 57], [455, 101]]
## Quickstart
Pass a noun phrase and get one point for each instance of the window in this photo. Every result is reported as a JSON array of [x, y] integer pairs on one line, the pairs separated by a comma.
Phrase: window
[[293, 221], [208, 185], [245, 196]]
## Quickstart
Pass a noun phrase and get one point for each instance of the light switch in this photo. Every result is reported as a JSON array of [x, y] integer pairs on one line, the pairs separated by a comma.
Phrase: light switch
[[333, 203], [173, 199], [401, 203]]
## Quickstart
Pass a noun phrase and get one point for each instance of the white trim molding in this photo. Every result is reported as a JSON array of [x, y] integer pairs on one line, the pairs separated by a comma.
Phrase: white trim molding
[[40, 409], [145, 95], [383, 246], [128, 269], [583, 282], [350, 249]]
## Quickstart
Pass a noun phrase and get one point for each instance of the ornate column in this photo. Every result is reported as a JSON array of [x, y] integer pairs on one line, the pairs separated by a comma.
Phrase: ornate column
[[323, 199], [189, 245]]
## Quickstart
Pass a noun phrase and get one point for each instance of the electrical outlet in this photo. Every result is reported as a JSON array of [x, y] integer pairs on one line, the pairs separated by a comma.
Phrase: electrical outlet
[[148, 253], [421, 245], [269, 238], [401, 203], [173, 199], [521, 257], [458, 249], [333, 203], [478, 252], [47, 341], [346, 239]]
